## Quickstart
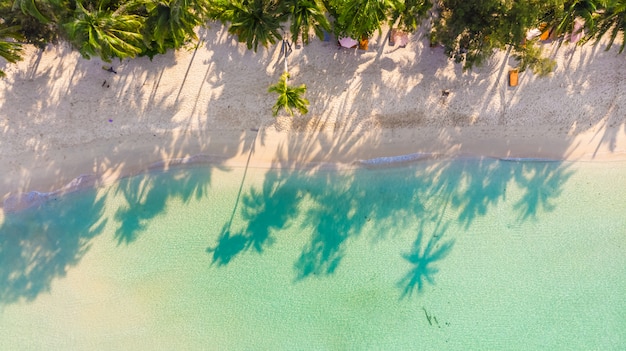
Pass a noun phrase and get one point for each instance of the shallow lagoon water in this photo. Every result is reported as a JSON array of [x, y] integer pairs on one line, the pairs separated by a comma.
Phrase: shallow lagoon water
[[440, 254]]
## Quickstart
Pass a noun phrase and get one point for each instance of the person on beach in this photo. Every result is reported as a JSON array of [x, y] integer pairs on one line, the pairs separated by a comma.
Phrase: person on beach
[[109, 69]]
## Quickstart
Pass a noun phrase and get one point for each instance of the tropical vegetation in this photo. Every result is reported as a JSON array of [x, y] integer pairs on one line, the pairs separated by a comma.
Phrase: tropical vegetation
[[290, 98], [9, 48], [109, 29], [254, 22], [469, 30]]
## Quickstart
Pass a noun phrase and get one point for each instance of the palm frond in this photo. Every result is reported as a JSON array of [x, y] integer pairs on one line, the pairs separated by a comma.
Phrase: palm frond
[[105, 34], [255, 22], [307, 15], [10, 49], [613, 22], [289, 98], [361, 18], [171, 24], [29, 7]]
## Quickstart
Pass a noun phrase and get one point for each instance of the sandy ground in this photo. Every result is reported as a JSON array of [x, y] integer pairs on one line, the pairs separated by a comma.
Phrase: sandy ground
[[63, 117]]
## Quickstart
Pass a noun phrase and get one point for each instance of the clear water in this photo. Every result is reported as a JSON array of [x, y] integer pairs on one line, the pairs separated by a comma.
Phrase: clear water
[[447, 254]]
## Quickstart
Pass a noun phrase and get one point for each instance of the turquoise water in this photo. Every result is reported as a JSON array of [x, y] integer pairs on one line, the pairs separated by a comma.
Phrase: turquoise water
[[441, 254]]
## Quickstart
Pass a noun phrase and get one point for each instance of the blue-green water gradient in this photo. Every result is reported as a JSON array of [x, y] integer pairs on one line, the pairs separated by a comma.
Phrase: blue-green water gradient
[[439, 254]]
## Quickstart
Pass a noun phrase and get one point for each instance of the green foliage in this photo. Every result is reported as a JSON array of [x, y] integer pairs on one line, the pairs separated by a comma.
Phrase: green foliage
[[306, 15], [289, 98], [10, 50], [529, 56], [465, 28], [170, 24], [410, 13], [109, 28], [105, 34], [613, 21], [564, 18], [34, 30], [29, 7], [361, 18], [471, 30], [254, 22]]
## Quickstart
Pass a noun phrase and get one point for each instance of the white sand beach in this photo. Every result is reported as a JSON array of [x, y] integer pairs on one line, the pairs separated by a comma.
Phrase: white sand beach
[[63, 117]]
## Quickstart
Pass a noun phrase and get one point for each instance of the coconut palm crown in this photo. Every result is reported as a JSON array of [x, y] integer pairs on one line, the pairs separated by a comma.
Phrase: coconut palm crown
[[170, 24], [254, 22], [289, 98], [307, 15], [105, 34]]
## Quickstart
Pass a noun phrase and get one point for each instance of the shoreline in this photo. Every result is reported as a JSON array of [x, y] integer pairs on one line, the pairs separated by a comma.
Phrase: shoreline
[[385, 155], [59, 119]]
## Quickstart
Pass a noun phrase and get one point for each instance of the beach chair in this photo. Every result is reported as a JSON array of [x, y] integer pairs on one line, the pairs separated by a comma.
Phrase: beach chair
[[347, 42], [363, 43], [545, 32], [513, 77], [399, 37]]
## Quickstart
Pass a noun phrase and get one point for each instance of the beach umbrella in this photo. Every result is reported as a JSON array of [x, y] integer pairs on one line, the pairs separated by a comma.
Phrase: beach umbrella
[[401, 39], [578, 32], [348, 42]]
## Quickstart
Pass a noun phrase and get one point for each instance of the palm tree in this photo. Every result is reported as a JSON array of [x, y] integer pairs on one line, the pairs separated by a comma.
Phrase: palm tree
[[10, 50], [289, 98], [170, 24], [359, 19], [468, 35], [472, 30], [307, 15], [254, 21], [613, 21], [564, 21], [105, 34], [410, 13], [36, 19]]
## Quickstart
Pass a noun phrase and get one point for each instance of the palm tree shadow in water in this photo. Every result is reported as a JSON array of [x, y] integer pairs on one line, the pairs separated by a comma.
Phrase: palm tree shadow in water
[[271, 208], [423, 260], [325, 251], [264, 211], [228, 246], [343, 206], [543, 182], [41, 244], [147, 197]]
